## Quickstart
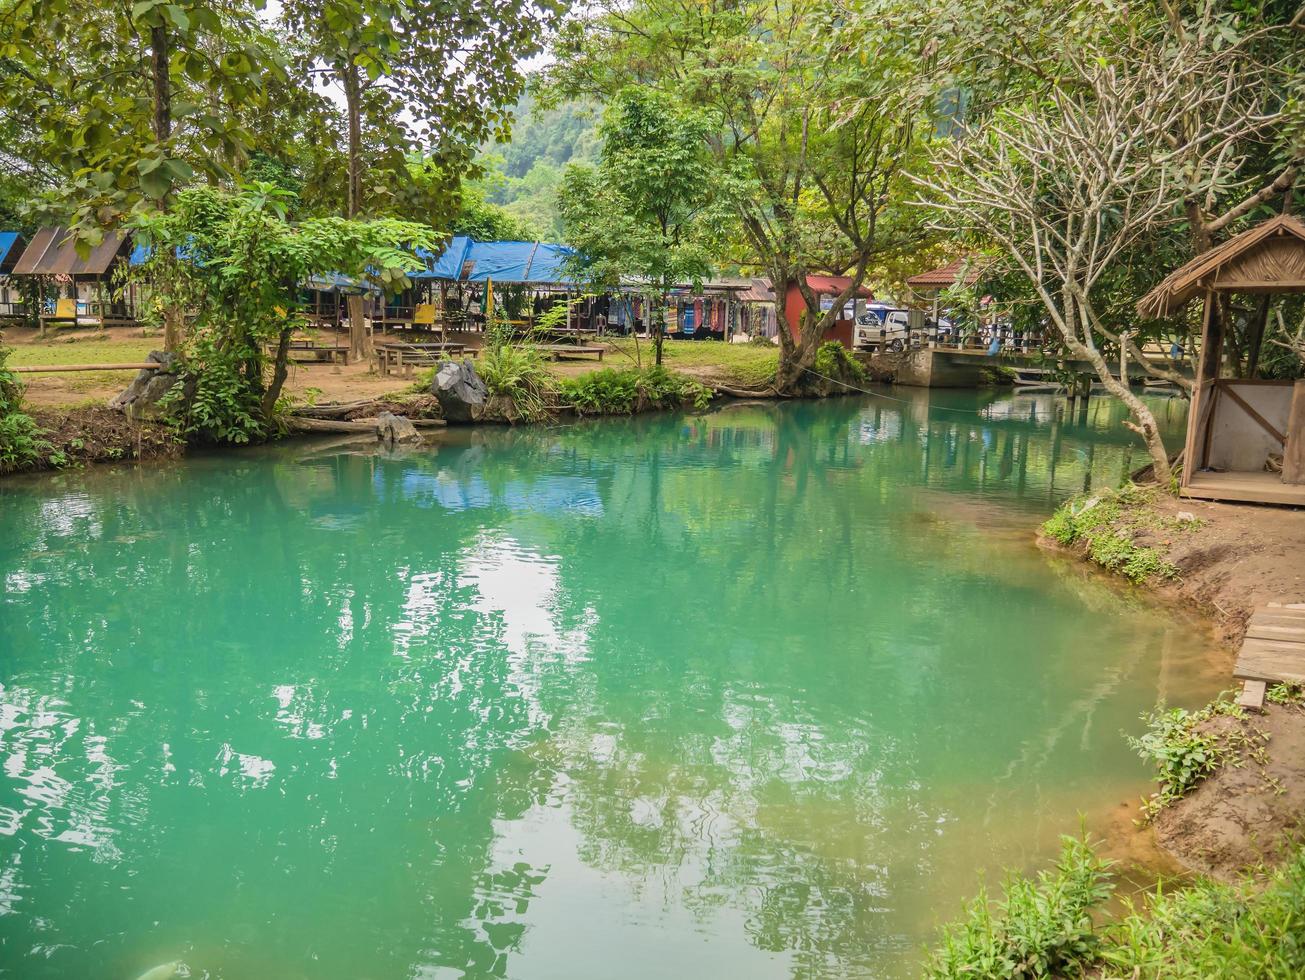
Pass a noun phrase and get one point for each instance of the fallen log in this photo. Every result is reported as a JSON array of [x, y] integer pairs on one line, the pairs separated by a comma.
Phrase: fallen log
[[366, 425], [417, 423], [301, 424], [745, 392], [337, 410]]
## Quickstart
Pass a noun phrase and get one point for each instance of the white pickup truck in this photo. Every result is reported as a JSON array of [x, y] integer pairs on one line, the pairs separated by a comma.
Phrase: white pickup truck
[[891, 332]]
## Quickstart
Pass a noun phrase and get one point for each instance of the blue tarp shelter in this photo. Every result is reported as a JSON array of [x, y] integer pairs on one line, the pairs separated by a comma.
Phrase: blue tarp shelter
[[467, 260], [9, 250]]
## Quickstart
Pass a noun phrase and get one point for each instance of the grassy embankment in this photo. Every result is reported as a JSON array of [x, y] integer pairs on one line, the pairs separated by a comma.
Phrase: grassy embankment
[[1056, 925], [741, 365]]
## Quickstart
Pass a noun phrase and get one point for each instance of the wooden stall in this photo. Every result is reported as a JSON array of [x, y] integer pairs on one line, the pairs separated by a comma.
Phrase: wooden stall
[[93, 299], [1245, 436]]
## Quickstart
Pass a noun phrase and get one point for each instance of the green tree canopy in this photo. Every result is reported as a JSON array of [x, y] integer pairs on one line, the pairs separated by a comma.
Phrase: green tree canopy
[[236, 261], [644, 211]]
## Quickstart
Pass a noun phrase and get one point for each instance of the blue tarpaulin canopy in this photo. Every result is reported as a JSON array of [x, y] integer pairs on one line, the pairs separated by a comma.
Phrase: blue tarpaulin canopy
[[467, 260], [8, 239]]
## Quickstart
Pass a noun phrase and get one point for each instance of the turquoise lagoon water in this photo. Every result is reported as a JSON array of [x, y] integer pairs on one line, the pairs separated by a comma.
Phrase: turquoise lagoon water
[[761, 692]]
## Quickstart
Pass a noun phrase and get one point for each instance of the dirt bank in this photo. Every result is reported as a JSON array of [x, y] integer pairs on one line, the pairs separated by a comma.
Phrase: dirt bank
[[1252, 809], [1225, 560], [97, 434]]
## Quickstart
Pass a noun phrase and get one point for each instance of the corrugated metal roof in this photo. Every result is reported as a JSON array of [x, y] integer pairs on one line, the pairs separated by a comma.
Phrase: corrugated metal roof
[[758, 292], [53, 253], [949, 274]]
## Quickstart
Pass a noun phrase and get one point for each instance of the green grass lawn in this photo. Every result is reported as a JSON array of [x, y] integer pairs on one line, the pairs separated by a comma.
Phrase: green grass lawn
[[745, 365], [127, 350]]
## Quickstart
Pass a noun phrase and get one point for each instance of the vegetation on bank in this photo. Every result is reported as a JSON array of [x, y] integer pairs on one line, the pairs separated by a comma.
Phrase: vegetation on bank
[[21, 442], [1055, 925], [1106, 526], [1184, 749], [750, 365], [518, 377]]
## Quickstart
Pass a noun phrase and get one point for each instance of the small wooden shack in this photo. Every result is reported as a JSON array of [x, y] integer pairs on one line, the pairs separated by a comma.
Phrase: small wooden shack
[[92, 295], [1238, 429]]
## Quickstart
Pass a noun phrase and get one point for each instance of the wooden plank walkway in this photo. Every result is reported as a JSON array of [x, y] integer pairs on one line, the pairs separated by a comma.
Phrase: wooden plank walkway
[[1274, 650]]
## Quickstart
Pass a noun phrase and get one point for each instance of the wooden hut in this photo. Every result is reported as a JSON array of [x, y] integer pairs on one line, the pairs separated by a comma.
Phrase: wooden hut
[[1238, 429], [827, 290], [53, 254]]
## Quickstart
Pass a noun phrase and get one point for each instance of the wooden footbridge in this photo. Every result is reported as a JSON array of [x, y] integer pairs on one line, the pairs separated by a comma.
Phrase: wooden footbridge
[[1273, 650]]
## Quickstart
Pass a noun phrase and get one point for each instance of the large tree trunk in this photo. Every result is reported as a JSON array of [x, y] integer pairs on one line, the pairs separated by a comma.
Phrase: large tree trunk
[[353, 109], [280, 369], [659, 329], [173, 317], [1144, 423], [360, 346]]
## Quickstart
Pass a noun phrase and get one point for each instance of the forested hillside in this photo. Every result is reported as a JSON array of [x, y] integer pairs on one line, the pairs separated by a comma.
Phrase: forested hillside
[[525, 173]]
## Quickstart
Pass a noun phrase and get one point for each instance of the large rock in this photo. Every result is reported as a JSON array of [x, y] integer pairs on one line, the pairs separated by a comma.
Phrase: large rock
[[395, 430], [461, 393], [142, 397]]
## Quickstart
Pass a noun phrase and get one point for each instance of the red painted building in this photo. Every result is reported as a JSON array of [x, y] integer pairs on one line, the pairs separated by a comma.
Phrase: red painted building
[[827, 289]]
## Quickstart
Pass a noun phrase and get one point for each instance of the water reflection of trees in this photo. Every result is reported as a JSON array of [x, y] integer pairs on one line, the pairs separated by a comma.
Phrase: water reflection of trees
[[325, 614]]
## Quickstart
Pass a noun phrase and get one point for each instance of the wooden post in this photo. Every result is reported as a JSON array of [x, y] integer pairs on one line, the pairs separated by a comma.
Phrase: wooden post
[[1293, 457], [1207, 370]]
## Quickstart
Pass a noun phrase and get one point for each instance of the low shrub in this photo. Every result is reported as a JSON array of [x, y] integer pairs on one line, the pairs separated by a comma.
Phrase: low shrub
[[1105, 526], [215, 401], [614, 391], [21, 442], [518, 373], [1045, 928], [1251, 929], [1183, 749], [836, 362], [1039, 928]]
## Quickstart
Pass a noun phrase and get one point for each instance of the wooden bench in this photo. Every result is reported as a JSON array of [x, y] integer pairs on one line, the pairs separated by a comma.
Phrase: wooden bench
[[560, 351]]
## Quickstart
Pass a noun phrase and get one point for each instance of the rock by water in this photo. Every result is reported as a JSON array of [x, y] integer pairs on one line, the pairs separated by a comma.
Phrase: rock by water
[[395, 430], [461, 393], [140, 401]]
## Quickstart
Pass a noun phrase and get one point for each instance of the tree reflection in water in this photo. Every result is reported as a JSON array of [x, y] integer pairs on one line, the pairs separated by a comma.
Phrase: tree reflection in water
[[759, 689]]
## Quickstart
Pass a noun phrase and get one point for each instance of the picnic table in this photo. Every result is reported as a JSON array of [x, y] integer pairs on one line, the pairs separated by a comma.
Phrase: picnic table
[[310, 352], [404, 356]]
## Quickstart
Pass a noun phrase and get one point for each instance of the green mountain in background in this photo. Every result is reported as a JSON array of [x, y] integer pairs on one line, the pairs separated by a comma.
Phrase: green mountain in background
[[522, 176]]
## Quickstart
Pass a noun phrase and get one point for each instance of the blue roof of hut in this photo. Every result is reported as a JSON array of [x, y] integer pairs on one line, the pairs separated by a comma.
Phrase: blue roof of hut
[[467, 260]]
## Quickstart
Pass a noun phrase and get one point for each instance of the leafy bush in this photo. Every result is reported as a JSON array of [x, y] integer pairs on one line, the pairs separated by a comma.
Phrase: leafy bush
[[1182, 752], [623, 392], [1208, 929], [21, 444], [835, 361], [1042, 928], [519, 374], [216, 401], [1104, 525]]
